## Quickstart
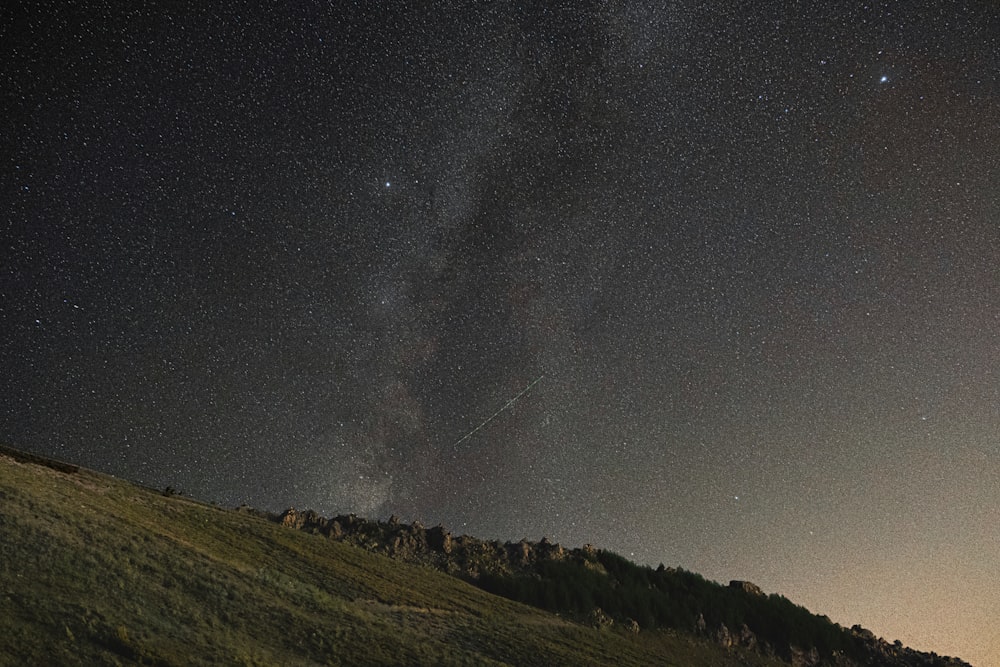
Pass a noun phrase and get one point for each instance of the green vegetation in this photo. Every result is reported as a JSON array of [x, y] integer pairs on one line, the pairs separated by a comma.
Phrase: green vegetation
[[97, 571], [668, 598], [601, 588]]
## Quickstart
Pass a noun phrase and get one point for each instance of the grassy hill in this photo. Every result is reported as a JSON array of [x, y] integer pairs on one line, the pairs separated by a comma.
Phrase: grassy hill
[[98, 571], [600, 588]]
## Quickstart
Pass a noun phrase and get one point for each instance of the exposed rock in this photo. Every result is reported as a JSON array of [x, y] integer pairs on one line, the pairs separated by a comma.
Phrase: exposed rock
[[723, 637], [700, 626], [881, 652], [470, 558], [292, 518], [599, 619], [439, 539], [594, 565], [747, 639], [746, 587], [803, 658], [549, 551], [522, 552]]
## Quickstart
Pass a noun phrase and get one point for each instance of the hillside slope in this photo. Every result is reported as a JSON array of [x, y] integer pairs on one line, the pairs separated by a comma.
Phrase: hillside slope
[[601, 588], [96, 570]]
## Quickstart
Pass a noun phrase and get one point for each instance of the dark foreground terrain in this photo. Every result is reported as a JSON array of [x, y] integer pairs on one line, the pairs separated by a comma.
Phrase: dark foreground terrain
[[98, 571]]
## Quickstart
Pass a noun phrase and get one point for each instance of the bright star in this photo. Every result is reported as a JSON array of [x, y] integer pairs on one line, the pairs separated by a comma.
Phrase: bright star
[[884, 79]]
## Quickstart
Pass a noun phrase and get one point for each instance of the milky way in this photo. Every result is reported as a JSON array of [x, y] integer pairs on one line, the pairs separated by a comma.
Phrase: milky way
[[307, 254]]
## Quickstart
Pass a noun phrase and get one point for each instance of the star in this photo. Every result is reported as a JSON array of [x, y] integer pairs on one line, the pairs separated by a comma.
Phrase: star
[[725, 279]]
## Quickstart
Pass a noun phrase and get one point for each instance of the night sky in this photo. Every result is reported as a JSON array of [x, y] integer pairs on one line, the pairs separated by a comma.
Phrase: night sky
[[748, 262]]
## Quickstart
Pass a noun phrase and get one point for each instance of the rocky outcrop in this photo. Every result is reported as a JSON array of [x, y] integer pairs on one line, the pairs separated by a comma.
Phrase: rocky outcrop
[[700, 626], [804, 658], [723, 636], [599, 619], [439, 539], [747, 587], [746, 638], [547, 550], [881, 652], [521, 553], [471, 558], [463, 555]]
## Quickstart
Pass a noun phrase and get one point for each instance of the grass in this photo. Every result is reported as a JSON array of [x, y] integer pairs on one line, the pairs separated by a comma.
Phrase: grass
[[98, 571]]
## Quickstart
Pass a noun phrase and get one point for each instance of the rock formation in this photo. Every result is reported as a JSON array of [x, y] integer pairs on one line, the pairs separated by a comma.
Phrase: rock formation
[[747, 587], [471, 558], [599, 619]]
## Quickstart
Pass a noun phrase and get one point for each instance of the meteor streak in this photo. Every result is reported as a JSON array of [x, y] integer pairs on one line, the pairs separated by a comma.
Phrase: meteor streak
[[494, 415]]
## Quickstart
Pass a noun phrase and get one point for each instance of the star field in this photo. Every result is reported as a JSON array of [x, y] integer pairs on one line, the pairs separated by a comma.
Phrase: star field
[[738, 268]]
